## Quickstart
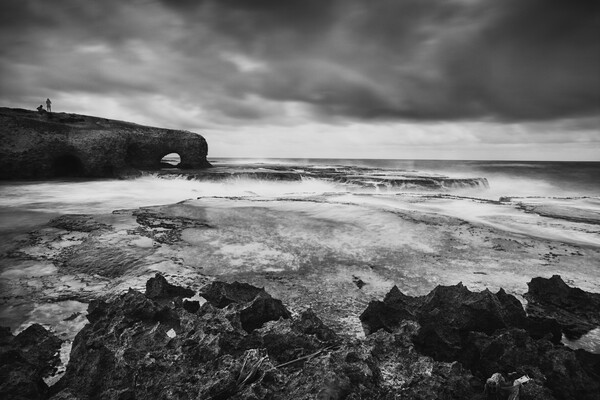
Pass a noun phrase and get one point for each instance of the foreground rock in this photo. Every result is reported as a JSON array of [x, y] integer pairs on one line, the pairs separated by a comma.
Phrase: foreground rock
[[449, 313], [25, 360], [34, 145], [142, 347], [490, 332], [157, 346], [254, 305], [576, 311]]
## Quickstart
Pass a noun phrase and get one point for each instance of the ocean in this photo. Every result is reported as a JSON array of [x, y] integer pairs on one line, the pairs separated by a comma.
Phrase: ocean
[[506, 178], [28, 203], [308, 229]]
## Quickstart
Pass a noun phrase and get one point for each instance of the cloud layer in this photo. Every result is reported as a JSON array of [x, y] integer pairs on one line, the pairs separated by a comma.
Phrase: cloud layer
[[227, 63]]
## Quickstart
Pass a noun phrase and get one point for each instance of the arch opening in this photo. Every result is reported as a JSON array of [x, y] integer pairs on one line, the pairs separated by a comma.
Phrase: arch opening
[[67, 165], [170, 160]]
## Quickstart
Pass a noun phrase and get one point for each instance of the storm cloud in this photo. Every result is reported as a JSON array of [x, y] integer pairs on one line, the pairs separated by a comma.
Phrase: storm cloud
[[423, 59], [383, 59]]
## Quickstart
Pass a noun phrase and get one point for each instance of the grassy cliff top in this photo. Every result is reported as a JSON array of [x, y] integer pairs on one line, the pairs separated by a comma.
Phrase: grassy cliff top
[[34, 118]]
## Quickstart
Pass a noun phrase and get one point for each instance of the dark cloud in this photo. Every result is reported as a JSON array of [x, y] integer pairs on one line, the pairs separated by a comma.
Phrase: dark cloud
[[504, 60], [421, 59]]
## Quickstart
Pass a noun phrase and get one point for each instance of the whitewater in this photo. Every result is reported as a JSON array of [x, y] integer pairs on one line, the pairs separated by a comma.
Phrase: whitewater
[[306, 230]]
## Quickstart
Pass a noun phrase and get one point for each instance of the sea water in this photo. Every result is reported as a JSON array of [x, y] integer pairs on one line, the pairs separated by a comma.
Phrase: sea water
[[27, 204], [506, 178], [365, 185]]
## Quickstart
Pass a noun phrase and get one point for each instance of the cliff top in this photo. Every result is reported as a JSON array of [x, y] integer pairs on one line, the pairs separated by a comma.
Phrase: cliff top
[[73, 120]]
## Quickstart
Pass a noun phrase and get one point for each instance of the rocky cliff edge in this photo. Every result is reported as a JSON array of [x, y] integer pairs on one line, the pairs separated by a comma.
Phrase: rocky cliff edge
[[40, 145]]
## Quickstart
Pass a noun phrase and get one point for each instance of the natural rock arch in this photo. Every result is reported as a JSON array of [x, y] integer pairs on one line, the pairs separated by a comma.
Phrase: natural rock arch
[[57, 144], [170, 160]]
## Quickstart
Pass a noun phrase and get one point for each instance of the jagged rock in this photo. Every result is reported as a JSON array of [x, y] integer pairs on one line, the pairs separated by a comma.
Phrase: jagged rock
[[490, 333], [141, 347], [389, 313], [34, 145], [576, 311], [256, 305], [24, 360], [410, 375], [446, 315], [310, 324], [565, 373], [137, 347], [262, 309], [158, 287], [222, 294]]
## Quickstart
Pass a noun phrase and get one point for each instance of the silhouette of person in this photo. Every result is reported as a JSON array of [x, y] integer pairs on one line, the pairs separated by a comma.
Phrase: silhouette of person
[[40, 108], [48, 105]]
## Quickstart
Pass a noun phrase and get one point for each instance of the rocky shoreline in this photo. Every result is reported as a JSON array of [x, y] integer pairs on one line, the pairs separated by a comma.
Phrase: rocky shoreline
[[206, 336], [238, 342]]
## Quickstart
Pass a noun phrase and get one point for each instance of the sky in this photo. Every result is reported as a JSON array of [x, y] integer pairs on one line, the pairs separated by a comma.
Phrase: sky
[[399, 79]]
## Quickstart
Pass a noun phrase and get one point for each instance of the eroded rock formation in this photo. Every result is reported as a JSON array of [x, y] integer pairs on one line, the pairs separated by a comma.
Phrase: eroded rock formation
[[490, 332], [152, 346], [34, 145], [25, 360], [575, 310]]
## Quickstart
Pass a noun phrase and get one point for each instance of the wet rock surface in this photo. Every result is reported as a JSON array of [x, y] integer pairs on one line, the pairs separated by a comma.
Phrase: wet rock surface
[[165, 229], [77, 222], [576, 311], [347, 175], [25, 360]]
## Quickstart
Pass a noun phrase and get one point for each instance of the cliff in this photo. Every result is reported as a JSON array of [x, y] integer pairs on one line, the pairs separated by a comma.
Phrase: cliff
[[44, 145]]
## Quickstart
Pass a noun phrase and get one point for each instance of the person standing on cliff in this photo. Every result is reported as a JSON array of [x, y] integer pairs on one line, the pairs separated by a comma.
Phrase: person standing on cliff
[[48, 105]]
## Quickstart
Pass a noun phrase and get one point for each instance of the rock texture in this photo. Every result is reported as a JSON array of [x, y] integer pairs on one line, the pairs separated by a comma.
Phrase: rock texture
[[143, 346], [490, 332], [24, 360], [576, 311], [44, 145]]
